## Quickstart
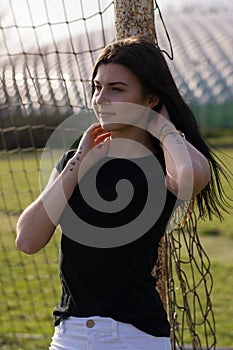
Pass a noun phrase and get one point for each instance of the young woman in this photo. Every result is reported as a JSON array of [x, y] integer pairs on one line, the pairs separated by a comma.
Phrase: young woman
[[109, 299]]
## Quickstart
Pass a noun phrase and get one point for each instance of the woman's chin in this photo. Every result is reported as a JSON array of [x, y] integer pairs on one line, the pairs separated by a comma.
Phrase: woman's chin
[[111, 126]]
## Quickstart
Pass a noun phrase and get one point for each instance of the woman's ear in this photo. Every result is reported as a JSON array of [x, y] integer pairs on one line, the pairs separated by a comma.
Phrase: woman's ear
[[152, 101], [158, 107]]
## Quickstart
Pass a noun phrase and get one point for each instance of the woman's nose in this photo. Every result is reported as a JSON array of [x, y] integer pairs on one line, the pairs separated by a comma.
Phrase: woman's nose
[[102, 97]]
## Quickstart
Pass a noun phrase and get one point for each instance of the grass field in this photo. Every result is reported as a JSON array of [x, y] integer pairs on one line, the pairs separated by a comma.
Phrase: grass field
[[216, 227], [30, 285]]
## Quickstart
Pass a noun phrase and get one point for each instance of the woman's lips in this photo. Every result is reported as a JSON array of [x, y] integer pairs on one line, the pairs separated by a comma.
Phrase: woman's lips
[[105, 114]]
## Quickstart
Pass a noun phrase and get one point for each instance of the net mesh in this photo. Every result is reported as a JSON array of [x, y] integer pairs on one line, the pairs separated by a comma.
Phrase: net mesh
[[190, 285], [45, 67]]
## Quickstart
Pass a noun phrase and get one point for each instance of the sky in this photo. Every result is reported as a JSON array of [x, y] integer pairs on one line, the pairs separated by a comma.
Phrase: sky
[[26, 13]]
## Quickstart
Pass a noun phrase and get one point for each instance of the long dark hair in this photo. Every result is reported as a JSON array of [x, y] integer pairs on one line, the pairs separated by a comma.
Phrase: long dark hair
[[146, 61]]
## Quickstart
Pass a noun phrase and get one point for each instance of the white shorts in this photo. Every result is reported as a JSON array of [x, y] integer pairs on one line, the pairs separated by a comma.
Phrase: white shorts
[[103, 333]]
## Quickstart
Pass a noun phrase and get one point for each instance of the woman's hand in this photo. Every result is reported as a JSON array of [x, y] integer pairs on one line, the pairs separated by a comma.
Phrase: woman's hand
[[159, 123], [92, 148], [187, 170], [93, 136], [164, 112]]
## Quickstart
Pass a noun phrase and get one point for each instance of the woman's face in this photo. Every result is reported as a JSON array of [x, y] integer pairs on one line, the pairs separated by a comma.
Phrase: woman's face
[[118, 96]]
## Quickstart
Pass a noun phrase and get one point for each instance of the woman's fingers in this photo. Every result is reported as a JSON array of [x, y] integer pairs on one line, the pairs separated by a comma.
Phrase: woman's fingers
[[159, 123], [92, 127], [92, 137], [164, 112], [102, 137], [88, 139]]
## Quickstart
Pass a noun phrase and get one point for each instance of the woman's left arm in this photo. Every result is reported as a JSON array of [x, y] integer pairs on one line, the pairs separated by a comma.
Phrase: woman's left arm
[[187, 170]]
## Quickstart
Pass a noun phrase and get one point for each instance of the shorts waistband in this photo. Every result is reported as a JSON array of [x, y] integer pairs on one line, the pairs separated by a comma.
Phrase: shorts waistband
[[96, 323], [95, 331]]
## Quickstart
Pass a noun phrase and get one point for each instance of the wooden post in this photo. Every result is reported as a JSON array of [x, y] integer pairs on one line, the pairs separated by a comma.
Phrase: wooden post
[[134, 17], [137, 17], [160, 272]]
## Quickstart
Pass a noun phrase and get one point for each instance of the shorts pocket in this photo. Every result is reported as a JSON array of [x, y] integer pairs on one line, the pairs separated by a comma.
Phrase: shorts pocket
[[135, 339], [68, 339]]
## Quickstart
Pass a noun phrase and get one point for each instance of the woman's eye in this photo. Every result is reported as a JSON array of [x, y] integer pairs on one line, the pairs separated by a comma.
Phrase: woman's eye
[[97, 87], [116, 89]]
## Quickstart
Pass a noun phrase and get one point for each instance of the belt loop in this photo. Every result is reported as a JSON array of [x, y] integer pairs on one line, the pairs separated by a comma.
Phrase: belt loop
[[115, 329], [62, 327]]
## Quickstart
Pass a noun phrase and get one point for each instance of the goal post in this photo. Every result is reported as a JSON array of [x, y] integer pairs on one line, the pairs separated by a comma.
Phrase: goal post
[[134, 17], [131, 18]]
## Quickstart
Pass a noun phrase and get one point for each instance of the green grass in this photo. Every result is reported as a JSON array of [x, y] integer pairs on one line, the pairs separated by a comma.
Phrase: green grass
[[19, 180], [30, 290], [30, 285], [21, 176], [222, 301], [215, 226], [220, 137], [219, 251]]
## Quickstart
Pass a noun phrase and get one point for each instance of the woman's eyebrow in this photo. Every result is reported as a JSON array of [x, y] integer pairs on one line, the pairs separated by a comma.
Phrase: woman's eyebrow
[[117, 83], [112, 83]]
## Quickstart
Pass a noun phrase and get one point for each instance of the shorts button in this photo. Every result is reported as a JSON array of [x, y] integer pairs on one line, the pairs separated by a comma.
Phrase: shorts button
[[90, 323]]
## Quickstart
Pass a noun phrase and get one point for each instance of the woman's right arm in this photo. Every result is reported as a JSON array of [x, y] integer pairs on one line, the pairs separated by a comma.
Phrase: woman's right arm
[[37, 223]]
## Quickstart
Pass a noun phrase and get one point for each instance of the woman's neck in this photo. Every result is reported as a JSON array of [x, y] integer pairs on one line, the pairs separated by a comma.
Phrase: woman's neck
[[131, 142]]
